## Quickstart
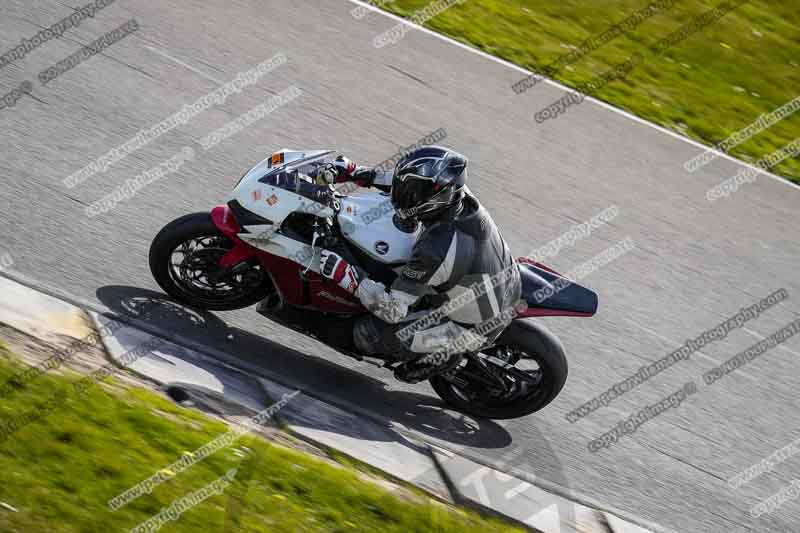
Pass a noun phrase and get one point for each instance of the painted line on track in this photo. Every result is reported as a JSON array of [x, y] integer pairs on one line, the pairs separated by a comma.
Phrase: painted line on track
[[554, 83]]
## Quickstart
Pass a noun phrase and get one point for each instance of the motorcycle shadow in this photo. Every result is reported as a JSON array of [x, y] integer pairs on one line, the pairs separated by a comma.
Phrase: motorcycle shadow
[[314, 374]]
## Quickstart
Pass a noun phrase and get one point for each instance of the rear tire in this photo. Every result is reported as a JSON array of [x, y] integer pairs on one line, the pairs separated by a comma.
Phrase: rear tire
[[540, 345], [198, 227]]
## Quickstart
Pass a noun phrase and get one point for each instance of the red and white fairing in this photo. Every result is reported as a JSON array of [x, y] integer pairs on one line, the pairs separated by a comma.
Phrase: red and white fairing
[[365, 215]]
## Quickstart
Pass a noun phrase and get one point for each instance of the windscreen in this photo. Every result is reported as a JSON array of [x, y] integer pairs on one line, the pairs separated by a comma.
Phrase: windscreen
[[304, 168]]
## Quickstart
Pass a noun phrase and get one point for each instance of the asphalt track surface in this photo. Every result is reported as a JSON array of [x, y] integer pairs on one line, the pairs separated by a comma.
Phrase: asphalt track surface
[[695, 263]]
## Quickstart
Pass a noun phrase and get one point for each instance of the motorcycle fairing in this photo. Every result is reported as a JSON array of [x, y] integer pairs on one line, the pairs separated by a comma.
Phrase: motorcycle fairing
[[294, 285], [367, 222], [571, 300]]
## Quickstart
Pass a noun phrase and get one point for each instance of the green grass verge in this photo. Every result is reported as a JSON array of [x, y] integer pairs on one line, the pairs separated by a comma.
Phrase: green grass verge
[[708, 86], [60, 471]]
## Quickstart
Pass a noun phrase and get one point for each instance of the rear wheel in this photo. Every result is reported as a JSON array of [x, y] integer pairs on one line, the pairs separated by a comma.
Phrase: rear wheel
[[184, 260], [522, 373]]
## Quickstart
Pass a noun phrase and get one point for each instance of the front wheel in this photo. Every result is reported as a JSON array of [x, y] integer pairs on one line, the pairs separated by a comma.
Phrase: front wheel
[[184, 260], [523, 372]]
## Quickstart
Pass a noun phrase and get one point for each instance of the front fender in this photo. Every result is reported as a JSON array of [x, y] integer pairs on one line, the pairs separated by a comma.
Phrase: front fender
[[223, 218]]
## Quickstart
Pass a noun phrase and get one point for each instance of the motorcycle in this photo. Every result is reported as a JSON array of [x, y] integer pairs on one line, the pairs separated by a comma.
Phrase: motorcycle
[[262, 247]]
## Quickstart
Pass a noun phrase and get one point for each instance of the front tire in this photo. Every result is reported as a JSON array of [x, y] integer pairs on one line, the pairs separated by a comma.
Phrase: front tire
[[193, 278], [529, 341]]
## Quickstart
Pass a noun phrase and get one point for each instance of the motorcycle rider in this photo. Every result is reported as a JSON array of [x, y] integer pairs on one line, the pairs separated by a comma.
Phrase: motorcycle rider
[[459, 249]]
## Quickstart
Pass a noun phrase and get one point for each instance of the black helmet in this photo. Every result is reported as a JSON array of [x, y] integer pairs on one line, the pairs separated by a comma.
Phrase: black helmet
[[427, 181]]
